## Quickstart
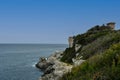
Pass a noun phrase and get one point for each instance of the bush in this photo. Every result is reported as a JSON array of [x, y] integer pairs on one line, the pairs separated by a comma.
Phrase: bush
[[104, 66], [68, 54], [100, 44], [84, 40], [92, 34]]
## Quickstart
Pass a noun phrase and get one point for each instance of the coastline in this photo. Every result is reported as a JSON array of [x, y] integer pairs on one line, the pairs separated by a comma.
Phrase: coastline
[[52, 67]]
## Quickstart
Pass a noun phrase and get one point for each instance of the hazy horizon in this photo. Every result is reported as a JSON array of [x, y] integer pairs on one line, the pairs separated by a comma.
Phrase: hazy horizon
[[32, 42], [53, 21]]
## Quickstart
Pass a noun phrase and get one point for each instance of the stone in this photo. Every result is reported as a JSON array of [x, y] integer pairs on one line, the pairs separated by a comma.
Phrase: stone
[[43, 64], [77, 47]]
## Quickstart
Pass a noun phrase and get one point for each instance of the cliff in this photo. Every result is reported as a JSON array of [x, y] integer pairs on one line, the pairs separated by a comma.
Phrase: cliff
[[100, 48], [93, 55], [88, 41]]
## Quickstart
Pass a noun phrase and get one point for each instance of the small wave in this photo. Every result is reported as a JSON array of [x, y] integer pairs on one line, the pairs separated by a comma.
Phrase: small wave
[[33, 65]]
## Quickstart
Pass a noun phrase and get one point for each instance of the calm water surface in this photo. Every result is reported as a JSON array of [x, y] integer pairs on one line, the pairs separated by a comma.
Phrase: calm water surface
[[17, 60]]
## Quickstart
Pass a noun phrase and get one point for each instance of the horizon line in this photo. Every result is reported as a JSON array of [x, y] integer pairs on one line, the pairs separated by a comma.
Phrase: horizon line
[[33, 43]]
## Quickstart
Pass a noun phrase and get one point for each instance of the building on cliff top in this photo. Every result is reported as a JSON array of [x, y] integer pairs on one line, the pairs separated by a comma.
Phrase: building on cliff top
[[71, 42], [111, 25]]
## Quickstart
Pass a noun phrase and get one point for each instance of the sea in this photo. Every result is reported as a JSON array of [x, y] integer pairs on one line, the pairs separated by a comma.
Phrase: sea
[[17, 61]]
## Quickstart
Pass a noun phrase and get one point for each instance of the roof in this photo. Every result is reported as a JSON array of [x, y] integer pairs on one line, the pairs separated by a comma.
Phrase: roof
[[110, 23]]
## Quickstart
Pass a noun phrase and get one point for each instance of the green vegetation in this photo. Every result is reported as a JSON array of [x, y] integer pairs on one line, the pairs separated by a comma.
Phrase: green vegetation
[[104, 66], [101, 50], [92, 34], [85, 40], [68, 54], [100, 44]]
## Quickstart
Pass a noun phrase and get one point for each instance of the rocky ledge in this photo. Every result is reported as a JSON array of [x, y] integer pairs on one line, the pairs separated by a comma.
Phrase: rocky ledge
[[52, 67]]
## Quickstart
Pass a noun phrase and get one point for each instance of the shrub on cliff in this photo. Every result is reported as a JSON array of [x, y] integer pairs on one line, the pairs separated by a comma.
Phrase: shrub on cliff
[[85, 39], [104, 66], [92, 34], [100, 44], [68, 54]]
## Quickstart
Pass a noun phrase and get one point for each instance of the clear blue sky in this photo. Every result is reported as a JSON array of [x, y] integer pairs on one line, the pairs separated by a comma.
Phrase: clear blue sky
[[52, 21]]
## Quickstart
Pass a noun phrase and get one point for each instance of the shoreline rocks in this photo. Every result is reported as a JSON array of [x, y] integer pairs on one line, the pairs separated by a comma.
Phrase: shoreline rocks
[[52, 67], [43, 64]]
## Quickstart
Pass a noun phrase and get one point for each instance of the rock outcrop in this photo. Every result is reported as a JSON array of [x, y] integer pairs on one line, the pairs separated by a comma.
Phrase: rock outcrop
[[43, 64], [52, 67]]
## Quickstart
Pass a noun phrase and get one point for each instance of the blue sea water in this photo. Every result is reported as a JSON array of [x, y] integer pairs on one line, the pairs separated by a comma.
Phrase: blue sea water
[[17, 61]]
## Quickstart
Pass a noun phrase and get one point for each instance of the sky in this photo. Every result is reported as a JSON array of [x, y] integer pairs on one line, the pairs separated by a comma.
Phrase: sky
[[53, 21]]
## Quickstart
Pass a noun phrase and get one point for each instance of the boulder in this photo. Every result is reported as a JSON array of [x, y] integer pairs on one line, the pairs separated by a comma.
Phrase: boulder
[[43, 64]]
